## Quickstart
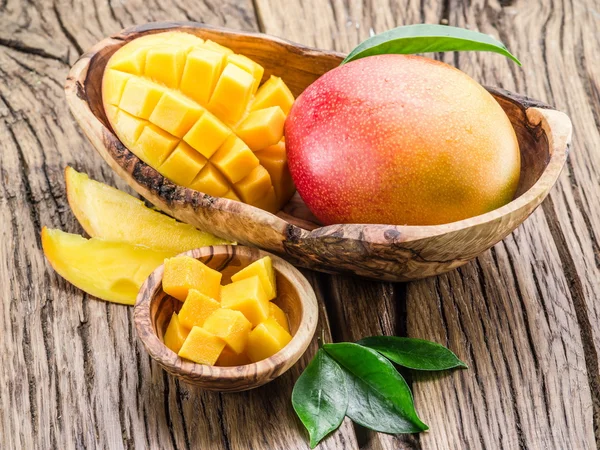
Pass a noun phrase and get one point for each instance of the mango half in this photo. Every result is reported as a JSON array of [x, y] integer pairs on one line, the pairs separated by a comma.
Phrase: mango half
[[194, 111]]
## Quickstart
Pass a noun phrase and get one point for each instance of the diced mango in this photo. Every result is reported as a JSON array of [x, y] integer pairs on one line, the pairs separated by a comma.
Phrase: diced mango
[[254, 185], [266, 339], [164, 64], [248, 297], [183, 164], [229, 358], [175, 113], [154, 145], [205, 65], [140, 96], [276, 313], [113, 85], [231, 195], [211, 182], [273, 92], [202, 347], [268, 202], [129, 127], [254, 69], [274, 159], [133, 63], [231, 326], [217, 47], [183, 273], [232, 93], [263, 269], [234, 159], [262, 128], [196, 309], [175, 335], [207, 135]]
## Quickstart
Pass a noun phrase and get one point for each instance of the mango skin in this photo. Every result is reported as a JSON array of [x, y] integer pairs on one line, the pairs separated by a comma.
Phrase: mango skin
[[403, 140]]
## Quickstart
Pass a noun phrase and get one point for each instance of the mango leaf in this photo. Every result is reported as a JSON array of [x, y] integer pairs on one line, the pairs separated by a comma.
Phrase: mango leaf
[[416, 354], [425, 38], [378, 396], [320, 398]]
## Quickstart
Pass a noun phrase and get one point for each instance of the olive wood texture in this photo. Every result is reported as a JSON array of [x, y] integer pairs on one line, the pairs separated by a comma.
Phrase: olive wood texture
[[384, 252], [295, 296]]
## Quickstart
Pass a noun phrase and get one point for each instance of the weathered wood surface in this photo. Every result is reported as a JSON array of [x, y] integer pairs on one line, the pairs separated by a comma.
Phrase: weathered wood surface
[[524, 316]]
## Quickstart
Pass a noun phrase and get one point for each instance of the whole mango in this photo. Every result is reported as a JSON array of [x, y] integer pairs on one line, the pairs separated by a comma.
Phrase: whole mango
[[398, 139]]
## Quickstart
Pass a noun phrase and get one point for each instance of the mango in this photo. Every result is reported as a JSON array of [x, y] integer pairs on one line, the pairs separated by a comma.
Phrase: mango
[[182, 273], [231, 326], [196, 309], [202, 347], [248, 297], [113, 215], [176, 334], [263, 269], [112, 271], [229, 358], [195, 111], [266, 339], [276, 313], [402, 140]]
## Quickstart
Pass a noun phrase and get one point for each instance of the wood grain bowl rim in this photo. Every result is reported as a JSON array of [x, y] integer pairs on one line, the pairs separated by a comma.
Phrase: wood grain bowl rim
[[555, 126], [266, 369]]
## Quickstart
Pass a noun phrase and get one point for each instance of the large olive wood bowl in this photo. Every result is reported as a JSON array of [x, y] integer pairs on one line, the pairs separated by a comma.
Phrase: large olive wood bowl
[[384, 252], [153, 311]]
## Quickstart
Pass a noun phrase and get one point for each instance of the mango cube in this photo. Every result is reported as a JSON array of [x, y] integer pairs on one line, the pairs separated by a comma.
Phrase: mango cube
[[211, 182], [262, 128], [175, 114], [248, 297], [207, 135], [202, 64], [232, 93], [245, 63], [234, 159], [254, 185], [133, 62], [196, 309], [113, 85], [263, 269], [154, 145], [129, 128], [276, 313], [266, 339], [274, 159], [140, 96], [175, 334], [231, 195], [164, 64], [273, 92], [231, 326], [229, 358], [268, 202], [217, 47], [202, 347], [183, 273], [183, 164]]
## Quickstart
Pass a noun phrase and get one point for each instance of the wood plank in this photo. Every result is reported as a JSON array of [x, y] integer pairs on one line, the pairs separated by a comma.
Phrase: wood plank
[[73, 374], [521, 314]]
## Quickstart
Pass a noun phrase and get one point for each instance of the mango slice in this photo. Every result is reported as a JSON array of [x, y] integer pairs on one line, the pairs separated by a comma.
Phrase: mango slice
[[202, 347], [266, 339], [175, 334], [263, 269], [231, 326], [113, 215], [276, 313], [112, 271], [194, 111], [182, 273], [248, 297], [196, 309]]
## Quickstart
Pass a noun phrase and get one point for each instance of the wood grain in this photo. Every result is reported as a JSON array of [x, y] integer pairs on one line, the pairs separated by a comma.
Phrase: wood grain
[[524, 315]]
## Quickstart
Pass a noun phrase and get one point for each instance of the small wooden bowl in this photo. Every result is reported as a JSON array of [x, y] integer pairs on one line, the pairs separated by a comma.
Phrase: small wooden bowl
[[153, 310], [384, 252]]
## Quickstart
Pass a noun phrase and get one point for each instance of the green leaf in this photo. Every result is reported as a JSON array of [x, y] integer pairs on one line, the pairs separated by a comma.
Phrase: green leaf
[[378, 396], [320, 398], [416, 354], [425, 38]]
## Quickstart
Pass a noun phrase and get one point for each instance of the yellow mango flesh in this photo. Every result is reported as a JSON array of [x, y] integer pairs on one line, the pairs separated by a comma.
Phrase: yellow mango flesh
[[276, 313], [176, 333], [266, 339], [112, 271], [263, 269], [231, 326], [248, 297], [229, 358], [113, 215], [202, 347], [196, 309], [183, 273], [168, 95]]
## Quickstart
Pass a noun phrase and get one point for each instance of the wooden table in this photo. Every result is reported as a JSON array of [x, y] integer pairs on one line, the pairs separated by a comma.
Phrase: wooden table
[[525, 316]]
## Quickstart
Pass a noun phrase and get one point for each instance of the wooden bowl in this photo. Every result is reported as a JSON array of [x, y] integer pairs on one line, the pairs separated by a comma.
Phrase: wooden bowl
[[385, 252], [153, 310]]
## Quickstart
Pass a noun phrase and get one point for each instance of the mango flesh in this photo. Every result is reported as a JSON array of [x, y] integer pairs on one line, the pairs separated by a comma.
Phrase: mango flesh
[[194, 111], [231, 326], [176, 334], [403, 140], [197, 308], [202, 347], [183, 273], [248, 297], [112, 271], [110, 214], [266, 339], [276, 313]]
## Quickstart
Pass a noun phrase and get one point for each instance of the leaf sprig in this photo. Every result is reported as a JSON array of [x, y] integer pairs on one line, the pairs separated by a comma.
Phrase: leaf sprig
[[359, 381]]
